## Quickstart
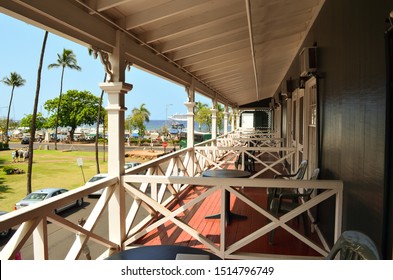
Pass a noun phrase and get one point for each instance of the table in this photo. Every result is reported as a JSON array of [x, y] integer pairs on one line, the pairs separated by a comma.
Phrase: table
[[227, 173], [163, 252]]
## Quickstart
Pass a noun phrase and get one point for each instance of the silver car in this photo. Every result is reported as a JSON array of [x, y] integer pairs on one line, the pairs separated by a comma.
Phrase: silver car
[[100, 176], [131, 164], [93, 179], [4, 233], [43, 194]]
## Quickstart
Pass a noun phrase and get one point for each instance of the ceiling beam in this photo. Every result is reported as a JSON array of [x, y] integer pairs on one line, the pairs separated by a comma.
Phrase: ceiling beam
[[102, 5], [194, 24], [160, 12], [219, 52], [216, 62], [208, 46], [210, 33]]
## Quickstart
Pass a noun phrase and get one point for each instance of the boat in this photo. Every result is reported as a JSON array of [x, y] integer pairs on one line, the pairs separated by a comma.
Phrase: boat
[[135, 133], [178, 117], [176, 128]]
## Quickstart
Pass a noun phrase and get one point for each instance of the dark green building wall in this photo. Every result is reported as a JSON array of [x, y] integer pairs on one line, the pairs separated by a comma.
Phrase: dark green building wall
[[349, 35]]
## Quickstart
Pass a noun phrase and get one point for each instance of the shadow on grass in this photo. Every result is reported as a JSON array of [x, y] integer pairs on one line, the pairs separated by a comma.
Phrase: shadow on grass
[[3, 188], [2, 162]]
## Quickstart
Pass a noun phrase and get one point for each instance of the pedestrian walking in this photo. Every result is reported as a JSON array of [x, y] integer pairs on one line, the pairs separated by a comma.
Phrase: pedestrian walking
[[13, 154], [26, 154], [21, 154]]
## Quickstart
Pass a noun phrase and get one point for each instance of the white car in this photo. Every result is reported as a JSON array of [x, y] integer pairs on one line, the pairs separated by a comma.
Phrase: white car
[[44, 194], [132, 164], [100, 176], [94, 179]]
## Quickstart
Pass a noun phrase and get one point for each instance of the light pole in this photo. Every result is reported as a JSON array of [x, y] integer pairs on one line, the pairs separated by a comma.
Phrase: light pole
[[166, 114]]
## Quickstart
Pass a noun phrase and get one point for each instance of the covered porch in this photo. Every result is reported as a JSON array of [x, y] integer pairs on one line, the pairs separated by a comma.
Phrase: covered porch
[[320, 67], [169, 203]]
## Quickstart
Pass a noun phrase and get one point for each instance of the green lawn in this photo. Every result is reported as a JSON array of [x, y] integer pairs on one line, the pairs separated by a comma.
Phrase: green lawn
[[50, 169]]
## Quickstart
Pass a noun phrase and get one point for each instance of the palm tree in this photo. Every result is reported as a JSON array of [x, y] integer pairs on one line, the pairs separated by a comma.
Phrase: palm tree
[[98, 124], [200, 107], [34, 118], [66, 59], [14, 80], [138, 118], [220, 117]]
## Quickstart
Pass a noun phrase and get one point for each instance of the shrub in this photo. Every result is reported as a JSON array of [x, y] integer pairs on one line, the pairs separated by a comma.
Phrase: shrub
[[12, 170], [4, 146]]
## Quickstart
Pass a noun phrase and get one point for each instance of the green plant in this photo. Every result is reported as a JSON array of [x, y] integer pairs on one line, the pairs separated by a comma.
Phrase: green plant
[[12, 170], [4, 146]]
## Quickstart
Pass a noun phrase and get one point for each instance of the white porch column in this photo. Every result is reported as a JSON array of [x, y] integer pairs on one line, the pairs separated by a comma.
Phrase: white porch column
[[116, 114], [116, 155], [214, 119], [226, 119], [190, 123], [190, 137], [237, 119], [190, 104], [233, 121], [116, 88]]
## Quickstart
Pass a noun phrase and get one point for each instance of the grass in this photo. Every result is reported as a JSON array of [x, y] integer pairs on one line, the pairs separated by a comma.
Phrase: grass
[[51, 169]]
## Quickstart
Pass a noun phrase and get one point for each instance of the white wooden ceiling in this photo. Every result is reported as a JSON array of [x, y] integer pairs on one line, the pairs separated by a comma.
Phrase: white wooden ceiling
[[235, 50]]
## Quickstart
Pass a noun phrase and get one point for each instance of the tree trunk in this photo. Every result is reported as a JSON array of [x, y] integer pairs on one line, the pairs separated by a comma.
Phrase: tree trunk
[[98, 128], [33, 121], [8, 115], [72, 132], [58, 106]]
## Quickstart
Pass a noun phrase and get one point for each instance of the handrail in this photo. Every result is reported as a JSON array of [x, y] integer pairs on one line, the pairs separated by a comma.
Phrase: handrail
[[330, 187], [166, 177]]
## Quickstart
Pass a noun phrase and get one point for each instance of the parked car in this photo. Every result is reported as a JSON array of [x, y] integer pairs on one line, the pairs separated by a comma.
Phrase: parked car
[[128, 165], [44, 194], [4, 233], [25, 140], [94, 179], [100, 176]]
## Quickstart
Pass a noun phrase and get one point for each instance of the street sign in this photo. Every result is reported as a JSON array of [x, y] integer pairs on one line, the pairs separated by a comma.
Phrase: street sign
[[79, 161]]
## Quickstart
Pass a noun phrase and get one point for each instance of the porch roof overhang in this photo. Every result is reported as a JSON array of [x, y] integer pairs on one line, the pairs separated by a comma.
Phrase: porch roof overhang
[[236, 51]]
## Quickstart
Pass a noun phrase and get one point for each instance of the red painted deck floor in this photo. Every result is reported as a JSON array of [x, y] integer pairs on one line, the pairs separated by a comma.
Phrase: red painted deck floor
[[284, 243]]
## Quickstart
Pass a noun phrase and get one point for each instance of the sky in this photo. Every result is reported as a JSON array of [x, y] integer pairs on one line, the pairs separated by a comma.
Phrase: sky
[[20, 49]]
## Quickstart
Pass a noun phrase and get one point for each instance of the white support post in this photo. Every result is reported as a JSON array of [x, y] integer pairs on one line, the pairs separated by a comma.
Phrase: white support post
[[190, 127], [116, 89], [237, 119], [116, 111], [226, 120], [190, 104], [40, 237], [233, 121], [214, 119], [190, 123], [116, 154]]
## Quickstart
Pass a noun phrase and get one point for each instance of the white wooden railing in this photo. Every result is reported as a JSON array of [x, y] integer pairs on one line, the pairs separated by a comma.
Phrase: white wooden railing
[[330, 189], [149, 196]]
